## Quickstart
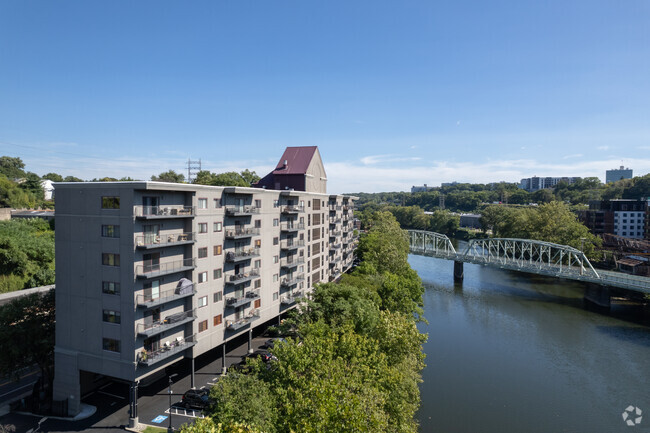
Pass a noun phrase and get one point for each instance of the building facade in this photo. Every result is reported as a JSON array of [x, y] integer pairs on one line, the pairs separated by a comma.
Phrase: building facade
[[617, 174], [149, 273], [535, 183], [626, 218]]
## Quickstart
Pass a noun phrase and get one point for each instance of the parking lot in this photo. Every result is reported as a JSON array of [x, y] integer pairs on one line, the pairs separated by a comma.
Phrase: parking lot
[[112, 399]]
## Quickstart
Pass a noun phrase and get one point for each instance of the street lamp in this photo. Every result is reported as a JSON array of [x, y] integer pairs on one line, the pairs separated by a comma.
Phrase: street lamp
[[170, 429]]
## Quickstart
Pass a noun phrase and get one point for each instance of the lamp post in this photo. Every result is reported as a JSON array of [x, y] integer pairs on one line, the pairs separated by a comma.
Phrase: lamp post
[[170, 429]]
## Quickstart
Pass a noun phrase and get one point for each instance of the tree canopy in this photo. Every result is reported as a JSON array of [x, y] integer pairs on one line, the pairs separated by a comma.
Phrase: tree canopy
[[229, 178], [169, 176]]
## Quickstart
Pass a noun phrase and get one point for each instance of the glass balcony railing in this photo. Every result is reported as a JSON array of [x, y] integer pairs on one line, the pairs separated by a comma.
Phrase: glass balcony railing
[[292, 209], [151, 300], [234, 325], [158, 240], [292, 244], [242, 254], [239, 233], [172, 321], [243, 299], [242, 210], [292, 262], [291, 298], [242, 277], [164, 211], [292, 227], [167, 350], [156, 269], [292, 280]]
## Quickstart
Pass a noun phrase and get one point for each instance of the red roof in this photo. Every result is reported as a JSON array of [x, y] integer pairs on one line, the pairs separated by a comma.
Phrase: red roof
[[297, 158]]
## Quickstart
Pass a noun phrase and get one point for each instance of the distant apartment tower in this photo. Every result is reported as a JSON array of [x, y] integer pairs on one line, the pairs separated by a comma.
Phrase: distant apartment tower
[[150, 273], [423, 188], [617, 174], [535, 183], [626, 218]]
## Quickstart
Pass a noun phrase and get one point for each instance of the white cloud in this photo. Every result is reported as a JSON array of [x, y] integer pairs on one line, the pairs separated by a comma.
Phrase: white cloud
[[575, 155], [386, 159]]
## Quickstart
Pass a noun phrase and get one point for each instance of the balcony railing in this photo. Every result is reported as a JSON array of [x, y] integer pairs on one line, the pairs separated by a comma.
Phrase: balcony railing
[[169, 322], [335, 220], [292, 280], [165, 296], [242, 254], [241, 210], [336, 246], [292, 263], [157, 241], [234, 325], [237, 301], [292, 209], [164, 211], [293, 227], [239, 233], [291, 298], [242, 277], [334, 260], [292, 244], [335, 233], [334, 207], [168, 349], [154, 270]]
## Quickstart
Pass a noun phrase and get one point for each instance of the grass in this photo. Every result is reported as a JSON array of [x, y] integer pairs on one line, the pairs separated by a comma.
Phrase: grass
[[151, 429]]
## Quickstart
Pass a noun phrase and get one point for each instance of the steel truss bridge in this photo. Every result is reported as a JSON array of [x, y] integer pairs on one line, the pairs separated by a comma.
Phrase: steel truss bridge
[[524, 255]]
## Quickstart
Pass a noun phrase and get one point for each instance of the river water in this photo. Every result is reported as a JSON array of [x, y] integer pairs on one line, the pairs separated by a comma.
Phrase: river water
[[513, 352]]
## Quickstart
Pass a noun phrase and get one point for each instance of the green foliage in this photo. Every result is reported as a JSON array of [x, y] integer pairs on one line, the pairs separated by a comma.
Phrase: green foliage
[[72, 179], [27, 336], [54, 177], [12, 168], [207, 425], [26, 253], [169, 176], [345, 305], [11, 195], [229, 178], [385, 245]]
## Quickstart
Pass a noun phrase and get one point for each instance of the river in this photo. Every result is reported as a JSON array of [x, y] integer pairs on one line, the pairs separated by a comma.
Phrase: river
[[513, 352]]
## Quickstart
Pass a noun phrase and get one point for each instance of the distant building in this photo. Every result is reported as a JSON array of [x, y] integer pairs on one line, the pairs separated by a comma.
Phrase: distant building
[[626, 218], [468, 220], [617, 174], [423, 188], [535, 183]]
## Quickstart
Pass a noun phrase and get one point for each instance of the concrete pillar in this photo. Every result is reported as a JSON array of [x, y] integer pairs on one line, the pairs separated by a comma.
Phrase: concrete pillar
[[133, 406], [250, 340], [459, 273], [597, 294], [192, 375], [223, 359], [67, 385]]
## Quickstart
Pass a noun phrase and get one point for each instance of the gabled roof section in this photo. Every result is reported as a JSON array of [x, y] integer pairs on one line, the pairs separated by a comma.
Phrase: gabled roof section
[[297, 160]]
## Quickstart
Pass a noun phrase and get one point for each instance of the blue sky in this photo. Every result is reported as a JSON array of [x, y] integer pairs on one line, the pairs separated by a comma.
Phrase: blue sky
[[393, 93]]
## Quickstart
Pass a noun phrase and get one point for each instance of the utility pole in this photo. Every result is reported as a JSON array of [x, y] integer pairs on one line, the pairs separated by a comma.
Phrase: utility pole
[[442, 201], [193, 168]]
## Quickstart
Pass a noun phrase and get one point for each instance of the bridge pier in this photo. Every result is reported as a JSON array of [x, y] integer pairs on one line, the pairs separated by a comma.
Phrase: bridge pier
[[597, 294], [459, 272]]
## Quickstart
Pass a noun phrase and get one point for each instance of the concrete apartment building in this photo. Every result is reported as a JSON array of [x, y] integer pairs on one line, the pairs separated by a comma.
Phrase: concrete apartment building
[[626, 218], [617, 174], [535, 183], [149, 273]]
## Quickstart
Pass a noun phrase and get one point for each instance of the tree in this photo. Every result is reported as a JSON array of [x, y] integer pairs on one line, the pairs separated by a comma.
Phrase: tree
[[72, 179], [169, 176], [54, 177], [204, 177], [27, 336], [12, 167], [230, 178], [385, 246], [32, 184], [207, 425], [250, 176]]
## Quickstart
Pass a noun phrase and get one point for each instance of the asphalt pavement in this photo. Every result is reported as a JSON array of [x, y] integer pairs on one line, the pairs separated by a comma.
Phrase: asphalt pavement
[[112, 399]]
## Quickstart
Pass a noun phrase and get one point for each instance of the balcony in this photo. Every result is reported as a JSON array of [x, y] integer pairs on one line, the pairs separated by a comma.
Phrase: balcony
[[234, 325], [240, 255], [291, 298], [238, 301], [171, 321], [168, 349], [292, 244], [334, 260], [236, 211], [334, 247], [291, 280], [292, 227], [292, 209], [156, 270], [335, 233], [335, 220], [150, 241], [164, 212], [147, 301], [240, 233], [334, 207], [242, 277], [292, 262], [347, 208]]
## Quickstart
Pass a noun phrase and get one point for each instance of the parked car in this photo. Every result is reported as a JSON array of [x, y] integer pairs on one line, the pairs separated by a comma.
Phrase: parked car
[[269, 344], [262, 354], [196, 399]]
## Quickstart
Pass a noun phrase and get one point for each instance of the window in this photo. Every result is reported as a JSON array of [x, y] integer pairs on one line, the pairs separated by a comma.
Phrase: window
[[203, 277], [316, 234], [111, 345], [112, 316], [258, 243], [203, 326], [276, 241], [276, 222], [110, 259], [203, 227], [110, 231], [258, 224], [216, 274], [316, 219], [217, 226], [110, 202], [217, 203], [203, 252], [258, 264], [258, 303], [316, 204], [275, 296], [276, 259], [275, 278], [203, 203], [217, 320], [258, 203], [217, 297], [110, 287], [203, 301], [276, 203], [258, 284], [217, 250]]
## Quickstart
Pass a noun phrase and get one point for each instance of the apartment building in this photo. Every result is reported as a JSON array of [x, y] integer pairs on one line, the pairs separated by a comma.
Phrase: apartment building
[[149, 273], [535, 183], [622, 217]]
